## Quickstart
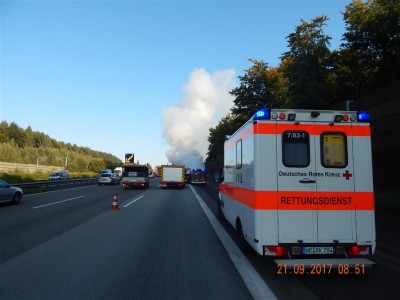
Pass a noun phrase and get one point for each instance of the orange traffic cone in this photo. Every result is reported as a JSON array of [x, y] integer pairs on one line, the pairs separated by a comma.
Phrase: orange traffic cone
[[115, 203]]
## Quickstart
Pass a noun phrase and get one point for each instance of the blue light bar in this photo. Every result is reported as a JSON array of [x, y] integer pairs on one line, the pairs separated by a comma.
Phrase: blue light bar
[[262, 114], [363, 116]]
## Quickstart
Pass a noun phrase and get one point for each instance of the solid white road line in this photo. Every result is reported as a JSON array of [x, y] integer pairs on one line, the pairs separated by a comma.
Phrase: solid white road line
[[133, 201], [53, 203], [256, 285]]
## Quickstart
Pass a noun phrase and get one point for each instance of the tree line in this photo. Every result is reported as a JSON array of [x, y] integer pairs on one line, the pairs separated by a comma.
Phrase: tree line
[[312, 76], [26, 146]]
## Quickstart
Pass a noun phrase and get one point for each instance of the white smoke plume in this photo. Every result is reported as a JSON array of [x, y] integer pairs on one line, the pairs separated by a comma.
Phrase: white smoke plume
[[205, 100]]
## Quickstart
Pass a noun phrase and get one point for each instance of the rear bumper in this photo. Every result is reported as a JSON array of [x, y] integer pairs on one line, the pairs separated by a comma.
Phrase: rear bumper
[[134, 184], [106, 182], [198, 182], [165, 184]]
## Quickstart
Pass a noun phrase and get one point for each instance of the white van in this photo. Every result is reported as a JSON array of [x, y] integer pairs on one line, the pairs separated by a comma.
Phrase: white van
[[298, 185], [118, 171], [58, 175]]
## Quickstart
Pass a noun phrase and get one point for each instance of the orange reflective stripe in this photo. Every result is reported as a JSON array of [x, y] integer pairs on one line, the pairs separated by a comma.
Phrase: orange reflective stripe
[[247, 197], [365, 201], [269, 128], [361, 131], [300, 200], [326, 200], [279, 128], [313, 129]]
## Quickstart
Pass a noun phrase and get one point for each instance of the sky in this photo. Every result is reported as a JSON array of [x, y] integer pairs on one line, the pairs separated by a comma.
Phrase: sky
[[142, 77]]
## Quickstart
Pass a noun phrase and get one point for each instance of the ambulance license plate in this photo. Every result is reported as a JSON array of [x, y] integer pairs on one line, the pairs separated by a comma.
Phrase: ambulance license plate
[[317, 250]]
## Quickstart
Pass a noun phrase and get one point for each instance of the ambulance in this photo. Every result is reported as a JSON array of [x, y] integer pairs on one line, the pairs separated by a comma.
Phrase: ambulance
[[298, 186]]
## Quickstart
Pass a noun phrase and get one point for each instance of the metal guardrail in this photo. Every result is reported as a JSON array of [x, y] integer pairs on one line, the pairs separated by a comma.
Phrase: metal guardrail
[[57, 183]]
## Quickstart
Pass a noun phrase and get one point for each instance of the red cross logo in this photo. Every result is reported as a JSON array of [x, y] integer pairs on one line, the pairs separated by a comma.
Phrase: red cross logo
[[347, 174]]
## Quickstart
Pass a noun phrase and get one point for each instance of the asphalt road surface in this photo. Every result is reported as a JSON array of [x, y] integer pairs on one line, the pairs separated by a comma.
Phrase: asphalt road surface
[[160, 244]]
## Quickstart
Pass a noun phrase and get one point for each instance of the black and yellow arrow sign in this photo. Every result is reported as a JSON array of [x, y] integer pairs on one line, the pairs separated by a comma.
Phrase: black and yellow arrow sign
[[129, 158]]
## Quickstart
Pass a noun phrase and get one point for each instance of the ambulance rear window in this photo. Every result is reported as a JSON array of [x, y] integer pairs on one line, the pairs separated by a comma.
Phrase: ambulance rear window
[[296, 149], [333, 150]]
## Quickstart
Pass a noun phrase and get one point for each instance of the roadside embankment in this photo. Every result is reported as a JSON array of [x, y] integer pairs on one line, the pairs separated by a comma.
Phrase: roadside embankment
[[6, 167]]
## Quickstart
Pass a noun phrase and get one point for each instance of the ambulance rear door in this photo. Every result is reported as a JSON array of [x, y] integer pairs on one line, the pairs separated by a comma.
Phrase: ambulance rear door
[[297, 222], [315, 183], [335, 184]]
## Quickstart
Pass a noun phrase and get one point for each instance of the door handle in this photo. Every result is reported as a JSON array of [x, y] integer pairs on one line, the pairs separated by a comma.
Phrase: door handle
[[307, 181]]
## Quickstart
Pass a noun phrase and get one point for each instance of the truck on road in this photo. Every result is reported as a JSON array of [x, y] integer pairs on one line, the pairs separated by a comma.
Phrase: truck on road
[[134, 175], [172, 176], [298, 185], [198, 177]]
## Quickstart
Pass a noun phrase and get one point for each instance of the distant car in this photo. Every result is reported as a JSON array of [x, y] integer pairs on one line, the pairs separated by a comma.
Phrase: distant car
[[9, 193], [109, 178], [151, 175], [58, 175]]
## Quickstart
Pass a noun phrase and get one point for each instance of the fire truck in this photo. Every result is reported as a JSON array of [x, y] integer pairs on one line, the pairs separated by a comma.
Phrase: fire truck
[[134, 175], [298, 186], [172, 176], [198, 176]]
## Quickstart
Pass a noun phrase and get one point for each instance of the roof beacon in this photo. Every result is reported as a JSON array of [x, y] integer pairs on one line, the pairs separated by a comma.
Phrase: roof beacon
[[363, 116], [262, 114]]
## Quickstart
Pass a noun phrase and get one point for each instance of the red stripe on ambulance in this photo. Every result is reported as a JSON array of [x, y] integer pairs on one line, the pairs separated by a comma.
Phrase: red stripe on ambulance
[[295, 200]]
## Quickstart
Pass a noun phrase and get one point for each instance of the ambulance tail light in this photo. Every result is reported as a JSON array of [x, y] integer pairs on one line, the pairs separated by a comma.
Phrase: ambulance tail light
[[262, 114], [340, 118], [275, 251], [363, 116], [357, 250]]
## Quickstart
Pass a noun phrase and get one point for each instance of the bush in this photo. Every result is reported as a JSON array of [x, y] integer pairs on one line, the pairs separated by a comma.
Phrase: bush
[[21, 177]]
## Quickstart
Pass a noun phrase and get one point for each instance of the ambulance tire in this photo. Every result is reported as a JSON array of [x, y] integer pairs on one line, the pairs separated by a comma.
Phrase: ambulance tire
[[243, 245], [221, 216]]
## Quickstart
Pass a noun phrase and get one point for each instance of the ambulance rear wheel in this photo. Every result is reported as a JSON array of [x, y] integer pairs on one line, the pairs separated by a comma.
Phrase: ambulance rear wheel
[[243, 245]]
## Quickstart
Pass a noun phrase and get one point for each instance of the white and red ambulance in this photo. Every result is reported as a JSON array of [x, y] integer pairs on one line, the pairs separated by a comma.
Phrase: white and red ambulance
[[298, 185]]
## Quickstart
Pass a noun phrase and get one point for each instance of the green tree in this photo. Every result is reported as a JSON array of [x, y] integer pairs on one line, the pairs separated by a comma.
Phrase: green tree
[[28, 146], [278, 87], [370, 54], [261, 86], [96, 164], [17, 134], [309, 67], [215, 155], [252, 92], [4, 132], [9, 152], [3, 138]]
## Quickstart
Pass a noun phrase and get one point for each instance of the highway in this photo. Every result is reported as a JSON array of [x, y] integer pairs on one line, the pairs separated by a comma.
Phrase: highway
[[160, 244]]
